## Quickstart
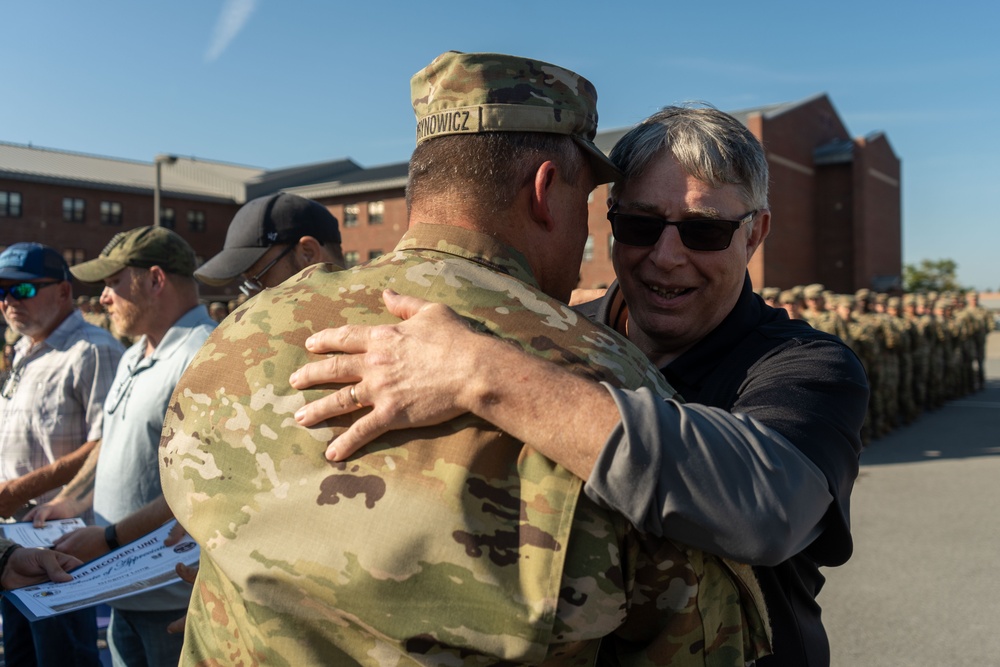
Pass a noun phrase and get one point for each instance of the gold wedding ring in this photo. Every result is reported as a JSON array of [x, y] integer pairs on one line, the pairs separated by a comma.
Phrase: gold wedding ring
[[354, 397]]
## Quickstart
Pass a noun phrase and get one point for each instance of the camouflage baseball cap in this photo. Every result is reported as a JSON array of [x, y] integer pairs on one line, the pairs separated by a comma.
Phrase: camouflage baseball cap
[[143, 247], [473, 93]]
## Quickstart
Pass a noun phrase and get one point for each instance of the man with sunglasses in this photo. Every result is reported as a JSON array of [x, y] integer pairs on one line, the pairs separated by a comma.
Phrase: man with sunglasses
[[50, 420], [151, 295], [757, 465], [271, 239]]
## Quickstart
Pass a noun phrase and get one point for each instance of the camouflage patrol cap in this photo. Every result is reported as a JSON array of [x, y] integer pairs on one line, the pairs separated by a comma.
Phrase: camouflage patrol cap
[[770, 292], [843, 300], [894, 302], [813, 291], [787, 296], [142, 247], [473, 93], [863, 294]]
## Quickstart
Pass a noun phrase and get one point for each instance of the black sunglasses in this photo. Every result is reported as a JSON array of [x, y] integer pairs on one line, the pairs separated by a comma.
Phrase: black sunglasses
[[22, 291], [702, 234]]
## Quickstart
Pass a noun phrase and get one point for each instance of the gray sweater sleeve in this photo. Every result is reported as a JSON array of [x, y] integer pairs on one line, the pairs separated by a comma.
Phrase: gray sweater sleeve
[[724, 483]]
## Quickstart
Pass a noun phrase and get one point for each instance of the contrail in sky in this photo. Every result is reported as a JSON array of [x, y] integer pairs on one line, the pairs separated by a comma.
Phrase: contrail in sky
[[235, 14]]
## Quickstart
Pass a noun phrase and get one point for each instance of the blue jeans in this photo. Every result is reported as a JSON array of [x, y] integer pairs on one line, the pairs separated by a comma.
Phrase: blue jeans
[[68, 639], [140, 638]]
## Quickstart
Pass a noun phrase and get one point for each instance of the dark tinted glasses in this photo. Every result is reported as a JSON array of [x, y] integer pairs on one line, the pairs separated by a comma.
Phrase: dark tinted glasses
[[252, 285], [702, 234], [22, 291]]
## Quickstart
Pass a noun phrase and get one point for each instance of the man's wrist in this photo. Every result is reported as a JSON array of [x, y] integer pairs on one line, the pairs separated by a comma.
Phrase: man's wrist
[[111, 536]]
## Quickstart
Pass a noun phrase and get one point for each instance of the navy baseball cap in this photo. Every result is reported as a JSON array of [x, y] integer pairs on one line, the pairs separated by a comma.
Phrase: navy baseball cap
[[32, 261], [264, 222]]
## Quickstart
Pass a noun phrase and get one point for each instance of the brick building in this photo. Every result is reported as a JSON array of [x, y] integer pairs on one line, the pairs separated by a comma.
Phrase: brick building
[[835, 201]]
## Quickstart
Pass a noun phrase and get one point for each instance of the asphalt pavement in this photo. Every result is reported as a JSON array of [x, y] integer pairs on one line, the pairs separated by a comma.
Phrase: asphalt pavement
[[923, 586]]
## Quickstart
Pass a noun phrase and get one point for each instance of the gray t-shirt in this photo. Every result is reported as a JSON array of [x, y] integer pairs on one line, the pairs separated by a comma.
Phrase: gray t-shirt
[[128, 473]]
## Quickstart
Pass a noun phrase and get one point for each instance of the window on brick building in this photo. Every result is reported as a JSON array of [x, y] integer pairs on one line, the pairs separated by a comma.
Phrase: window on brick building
[[74, 256], [10, 204], [588, 249], [196, 221], [111, 213], [376, 209], [168, 218], [74, 209], [372, 254], [351, 258], [351, 215]]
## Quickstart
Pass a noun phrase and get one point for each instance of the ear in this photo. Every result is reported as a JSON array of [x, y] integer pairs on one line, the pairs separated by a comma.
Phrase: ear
[[761, 228], [543, 192], [66, 292], [308, 250], [157, 279]]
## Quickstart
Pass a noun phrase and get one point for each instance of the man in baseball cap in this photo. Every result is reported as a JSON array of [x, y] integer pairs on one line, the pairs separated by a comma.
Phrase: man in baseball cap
[[50, 420], [271, 239], [152, 296]]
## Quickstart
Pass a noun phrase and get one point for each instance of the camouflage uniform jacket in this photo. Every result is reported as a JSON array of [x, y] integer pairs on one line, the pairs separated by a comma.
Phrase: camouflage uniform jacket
[[449, 545]]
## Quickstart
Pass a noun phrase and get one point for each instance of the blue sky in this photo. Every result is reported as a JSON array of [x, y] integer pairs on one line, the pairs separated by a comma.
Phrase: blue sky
[[274, 84]]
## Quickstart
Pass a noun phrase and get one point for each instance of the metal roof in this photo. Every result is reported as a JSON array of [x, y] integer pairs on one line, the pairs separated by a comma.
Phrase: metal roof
[[373, 179], [186, 176]]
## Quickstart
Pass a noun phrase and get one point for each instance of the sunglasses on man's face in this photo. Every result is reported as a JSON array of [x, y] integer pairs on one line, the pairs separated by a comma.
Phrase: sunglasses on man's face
[[22, 291], [701, 234]]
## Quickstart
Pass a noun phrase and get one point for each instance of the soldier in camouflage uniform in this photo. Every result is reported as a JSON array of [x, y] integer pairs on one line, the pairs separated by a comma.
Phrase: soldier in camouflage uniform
[[792, 304], [981, 324], [815, 311], [921, 343], [471, 548], [870, 331], [907, 335], [951, 353], [770, 296]]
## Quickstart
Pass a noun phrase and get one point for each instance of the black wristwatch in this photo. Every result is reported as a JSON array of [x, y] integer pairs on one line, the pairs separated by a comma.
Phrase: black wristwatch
[[111, 536]]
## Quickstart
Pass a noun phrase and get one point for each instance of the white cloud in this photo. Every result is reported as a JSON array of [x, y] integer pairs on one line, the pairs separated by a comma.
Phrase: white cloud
[[235, 14]]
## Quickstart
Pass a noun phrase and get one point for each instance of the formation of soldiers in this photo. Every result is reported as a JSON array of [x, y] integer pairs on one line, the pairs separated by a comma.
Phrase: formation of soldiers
[[919, 349]]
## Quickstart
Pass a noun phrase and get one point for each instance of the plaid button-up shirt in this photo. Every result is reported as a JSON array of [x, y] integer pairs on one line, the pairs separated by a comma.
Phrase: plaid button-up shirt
[[53, 400]]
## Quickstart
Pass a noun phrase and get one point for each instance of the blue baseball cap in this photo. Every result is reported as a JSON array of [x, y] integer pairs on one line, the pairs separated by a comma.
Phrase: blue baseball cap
[[32, 261]]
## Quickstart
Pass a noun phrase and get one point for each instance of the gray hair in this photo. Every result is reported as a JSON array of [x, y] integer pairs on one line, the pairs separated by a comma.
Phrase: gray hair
[[710, 145]]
